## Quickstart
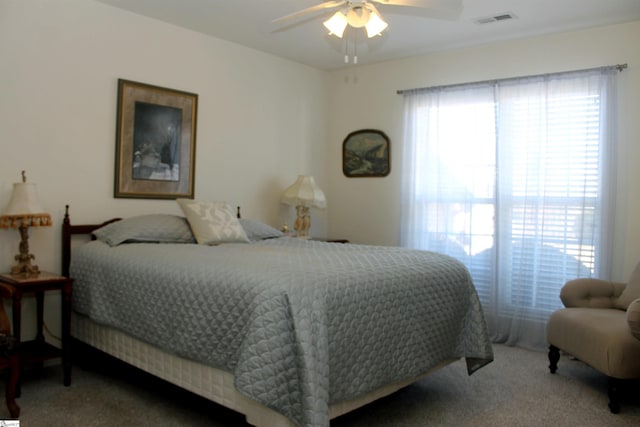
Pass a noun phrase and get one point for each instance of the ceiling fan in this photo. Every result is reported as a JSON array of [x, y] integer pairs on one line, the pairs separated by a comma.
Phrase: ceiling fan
[[364, 13]]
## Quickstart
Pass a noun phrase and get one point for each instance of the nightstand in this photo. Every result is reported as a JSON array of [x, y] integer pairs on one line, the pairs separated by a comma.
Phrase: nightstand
[[38, 350]]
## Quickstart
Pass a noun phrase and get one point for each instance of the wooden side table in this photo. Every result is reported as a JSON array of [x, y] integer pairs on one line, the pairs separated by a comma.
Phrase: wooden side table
[[38, 350]]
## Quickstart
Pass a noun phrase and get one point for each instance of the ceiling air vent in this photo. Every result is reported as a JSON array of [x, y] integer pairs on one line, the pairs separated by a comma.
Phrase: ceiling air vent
[[495, 18]]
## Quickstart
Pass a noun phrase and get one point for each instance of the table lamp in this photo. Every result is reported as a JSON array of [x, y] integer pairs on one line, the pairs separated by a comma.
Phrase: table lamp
[[304, 194], [24, 211]]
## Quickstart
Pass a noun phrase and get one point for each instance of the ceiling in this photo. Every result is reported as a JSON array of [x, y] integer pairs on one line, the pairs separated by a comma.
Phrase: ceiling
[[249, 23]]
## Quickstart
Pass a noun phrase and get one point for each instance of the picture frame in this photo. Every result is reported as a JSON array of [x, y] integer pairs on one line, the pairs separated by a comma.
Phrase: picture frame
[[155, 142], [366, 153]]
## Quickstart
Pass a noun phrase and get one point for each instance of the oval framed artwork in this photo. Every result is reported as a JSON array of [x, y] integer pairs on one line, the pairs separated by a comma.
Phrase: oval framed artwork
[[366, 153]]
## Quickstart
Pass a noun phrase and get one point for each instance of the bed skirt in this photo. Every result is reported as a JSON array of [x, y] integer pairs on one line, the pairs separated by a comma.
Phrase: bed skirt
[[211, 383]]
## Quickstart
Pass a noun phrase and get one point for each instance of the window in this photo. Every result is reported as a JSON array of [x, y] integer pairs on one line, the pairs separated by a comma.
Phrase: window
[[510, 177]]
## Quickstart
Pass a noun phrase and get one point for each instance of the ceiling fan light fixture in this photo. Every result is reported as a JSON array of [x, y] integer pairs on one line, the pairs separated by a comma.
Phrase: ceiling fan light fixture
[[376, 25], [364, 14], [336, 24], [358, 16]]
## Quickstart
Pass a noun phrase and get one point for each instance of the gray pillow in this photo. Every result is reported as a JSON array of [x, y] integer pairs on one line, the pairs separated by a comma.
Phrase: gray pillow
[[152, 228], [257, 230]]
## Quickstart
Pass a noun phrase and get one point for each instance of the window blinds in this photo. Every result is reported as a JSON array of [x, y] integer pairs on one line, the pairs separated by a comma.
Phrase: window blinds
[[512, 177]]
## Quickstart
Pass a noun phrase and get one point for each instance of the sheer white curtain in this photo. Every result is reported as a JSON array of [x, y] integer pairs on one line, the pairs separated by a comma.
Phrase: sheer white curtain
[[515, 179]]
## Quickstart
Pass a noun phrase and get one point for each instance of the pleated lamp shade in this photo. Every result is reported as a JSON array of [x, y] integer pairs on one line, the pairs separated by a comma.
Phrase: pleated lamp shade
[[304, 192]]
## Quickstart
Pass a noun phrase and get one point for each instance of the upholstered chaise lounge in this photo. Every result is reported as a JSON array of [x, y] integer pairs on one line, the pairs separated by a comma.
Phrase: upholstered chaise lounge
[[601, 327]]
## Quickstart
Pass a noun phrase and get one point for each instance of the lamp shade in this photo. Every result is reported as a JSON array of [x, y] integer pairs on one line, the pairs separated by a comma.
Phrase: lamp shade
[[304, 192], [375, 25], [336, 24], [24, 208]]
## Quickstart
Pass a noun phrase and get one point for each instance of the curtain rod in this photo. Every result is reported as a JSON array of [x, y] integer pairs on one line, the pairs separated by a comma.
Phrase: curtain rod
[[618, 67]]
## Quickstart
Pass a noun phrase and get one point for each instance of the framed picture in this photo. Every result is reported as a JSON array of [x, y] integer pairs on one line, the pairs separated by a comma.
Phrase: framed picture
[[366, 153], [155, 142]]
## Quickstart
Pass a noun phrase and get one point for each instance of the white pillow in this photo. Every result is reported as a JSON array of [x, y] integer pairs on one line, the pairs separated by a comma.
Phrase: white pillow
[[212, 223]]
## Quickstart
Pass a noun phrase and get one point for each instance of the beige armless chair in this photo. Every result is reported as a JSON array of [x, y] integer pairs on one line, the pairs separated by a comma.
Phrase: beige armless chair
[[601, 327]]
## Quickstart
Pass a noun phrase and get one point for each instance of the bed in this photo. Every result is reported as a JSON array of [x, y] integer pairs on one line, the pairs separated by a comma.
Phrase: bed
[[286, 331]]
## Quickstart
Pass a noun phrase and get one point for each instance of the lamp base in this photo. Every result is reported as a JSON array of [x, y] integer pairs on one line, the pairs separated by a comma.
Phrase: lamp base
[[25, 269], [24, 266], [303, 221]]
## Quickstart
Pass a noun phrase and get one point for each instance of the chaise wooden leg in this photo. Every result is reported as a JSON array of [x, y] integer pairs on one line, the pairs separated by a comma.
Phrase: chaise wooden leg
[[614, 395], [613, 385], [554, 356]]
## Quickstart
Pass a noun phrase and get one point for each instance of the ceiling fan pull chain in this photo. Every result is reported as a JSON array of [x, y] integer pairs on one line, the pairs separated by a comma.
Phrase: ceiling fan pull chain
[[346, 50], [355, 47]]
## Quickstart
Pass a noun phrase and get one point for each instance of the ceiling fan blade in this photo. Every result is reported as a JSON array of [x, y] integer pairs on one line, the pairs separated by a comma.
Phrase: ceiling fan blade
[[312, 9], [438, 4], [444, 9]]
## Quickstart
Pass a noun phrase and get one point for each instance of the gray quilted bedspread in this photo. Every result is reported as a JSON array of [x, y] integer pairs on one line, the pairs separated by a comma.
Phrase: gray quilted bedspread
[[301, 324]]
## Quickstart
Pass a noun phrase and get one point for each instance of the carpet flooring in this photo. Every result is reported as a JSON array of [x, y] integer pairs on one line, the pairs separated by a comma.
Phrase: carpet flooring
[[515, 390]]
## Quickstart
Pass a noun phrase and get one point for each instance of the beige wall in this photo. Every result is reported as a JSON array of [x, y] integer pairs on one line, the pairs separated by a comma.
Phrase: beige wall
[[367, 210], [260, 118]]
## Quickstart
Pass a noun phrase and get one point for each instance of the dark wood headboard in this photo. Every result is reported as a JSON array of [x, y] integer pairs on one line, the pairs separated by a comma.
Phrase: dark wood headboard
[[68, 231]]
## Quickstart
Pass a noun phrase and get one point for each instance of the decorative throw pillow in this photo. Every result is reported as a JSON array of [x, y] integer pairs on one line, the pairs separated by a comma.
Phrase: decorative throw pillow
[[212, 222], [153, 228], [631, 291], [257, 230], [633, 318]]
